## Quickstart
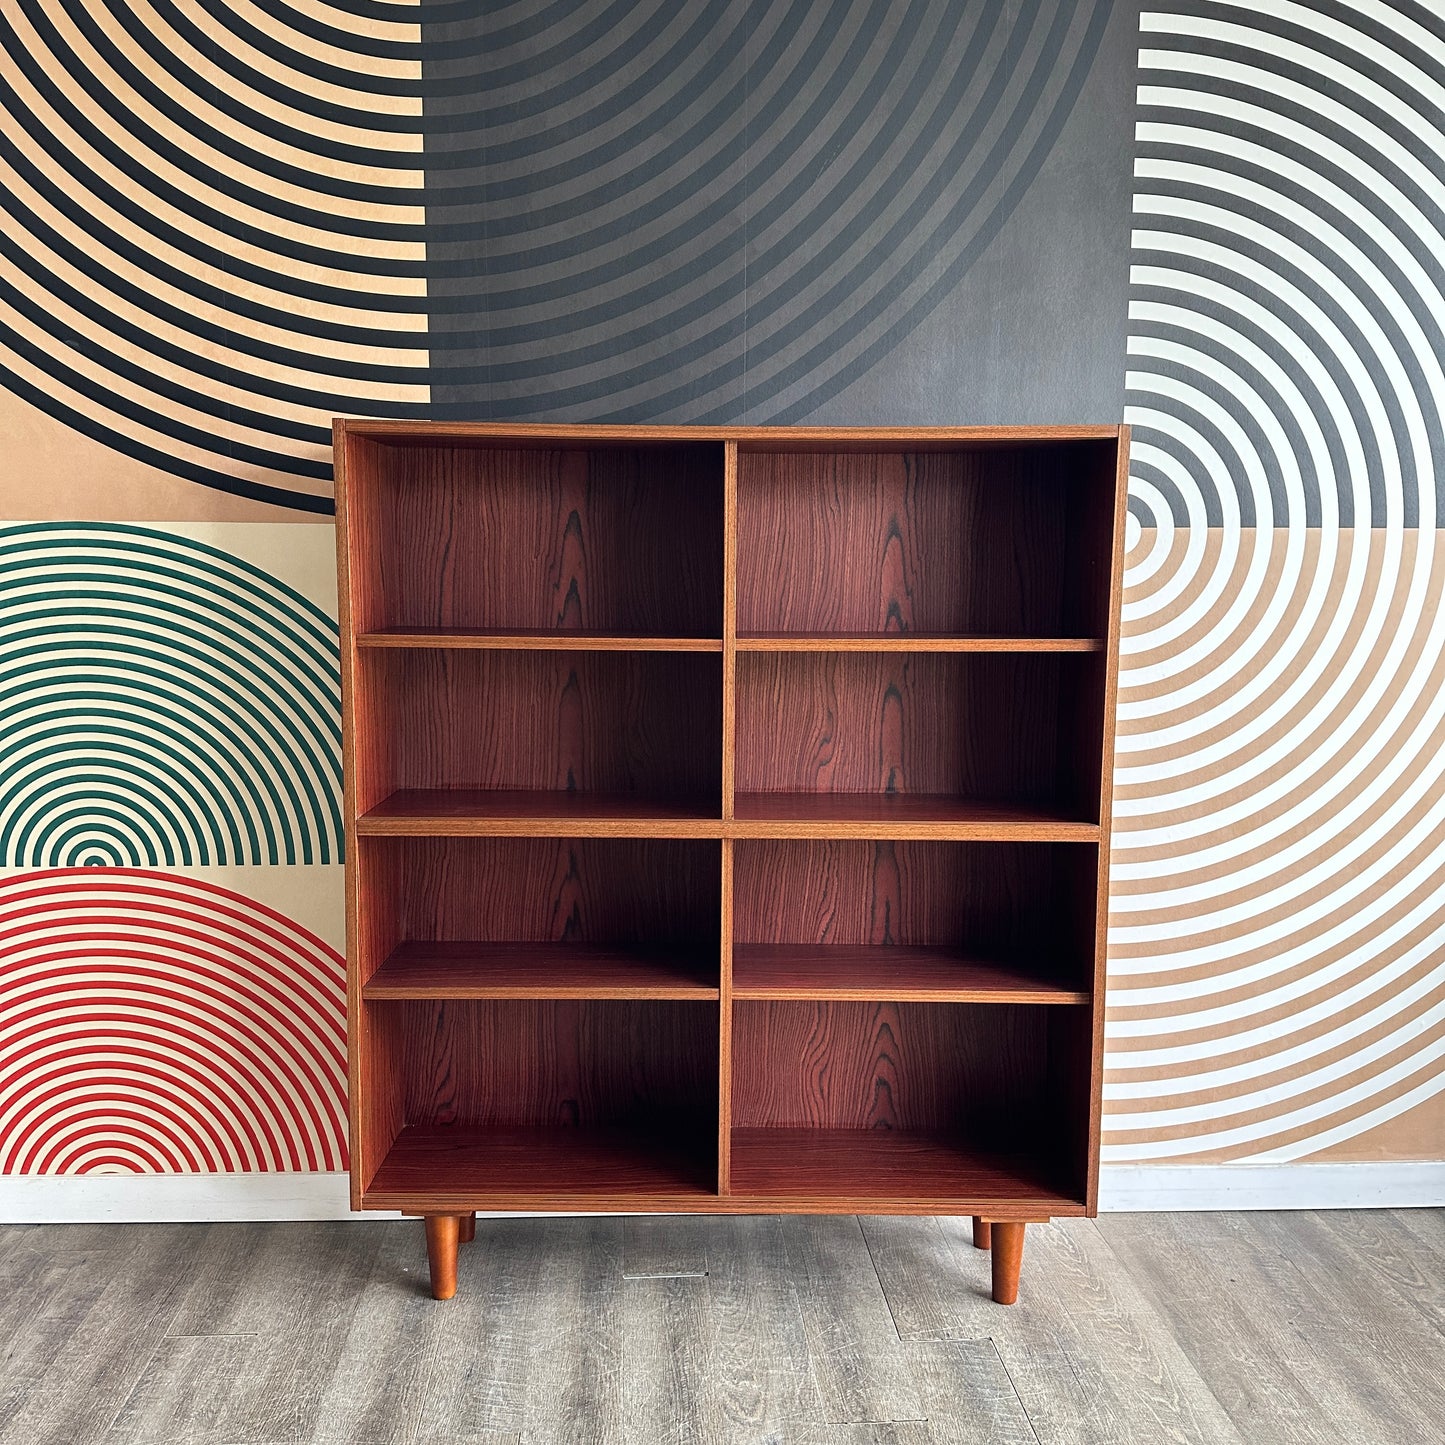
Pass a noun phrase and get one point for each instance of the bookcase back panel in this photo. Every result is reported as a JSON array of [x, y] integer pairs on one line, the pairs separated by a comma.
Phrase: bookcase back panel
[[1031, 902], [606, 538], [927, 541], [978, 726], [582, 1063], [646, 723], [549, 890], [977, 1071]]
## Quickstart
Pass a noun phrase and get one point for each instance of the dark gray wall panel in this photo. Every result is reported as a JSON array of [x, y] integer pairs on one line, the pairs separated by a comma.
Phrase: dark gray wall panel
[[732, 210]]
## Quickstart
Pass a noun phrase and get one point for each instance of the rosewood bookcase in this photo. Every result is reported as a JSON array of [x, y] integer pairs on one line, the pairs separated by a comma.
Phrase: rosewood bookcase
[[728, 819]]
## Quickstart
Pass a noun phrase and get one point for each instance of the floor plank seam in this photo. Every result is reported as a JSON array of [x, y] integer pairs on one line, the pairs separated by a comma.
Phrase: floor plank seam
[[1008, 1375], [877, 1275], [174, 1297], [213, 1335]]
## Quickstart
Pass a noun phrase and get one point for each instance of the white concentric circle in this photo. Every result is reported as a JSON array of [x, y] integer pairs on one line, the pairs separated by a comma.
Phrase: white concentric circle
[[1277, 974]]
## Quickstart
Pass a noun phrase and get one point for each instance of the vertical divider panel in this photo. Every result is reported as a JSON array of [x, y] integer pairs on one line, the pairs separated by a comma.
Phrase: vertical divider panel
[[354, 1129], [1106, 810], [729, 754], [729, 624], [725, 1027], [373, 1104]]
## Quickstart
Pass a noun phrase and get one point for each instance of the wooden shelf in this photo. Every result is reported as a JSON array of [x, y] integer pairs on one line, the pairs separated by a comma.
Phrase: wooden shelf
[[901, 816], [552, 640], [909, 642], [931, 974], [542, 970], [787, 1170], [880, 1170], [454, 812], [438, 1169]]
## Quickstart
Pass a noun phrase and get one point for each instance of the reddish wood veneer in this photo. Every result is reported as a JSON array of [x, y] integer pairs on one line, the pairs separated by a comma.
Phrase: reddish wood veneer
[[728, 816]]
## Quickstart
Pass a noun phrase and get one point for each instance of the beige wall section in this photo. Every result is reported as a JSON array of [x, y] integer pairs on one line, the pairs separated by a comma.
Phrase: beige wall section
[[1277, 941], [54, 474], [1419, 1133]]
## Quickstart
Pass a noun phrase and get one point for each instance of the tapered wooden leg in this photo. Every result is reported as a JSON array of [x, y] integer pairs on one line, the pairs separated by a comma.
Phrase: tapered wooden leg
[[982, 1233], [467, 1229], [442, 1231], [1008, 1255]]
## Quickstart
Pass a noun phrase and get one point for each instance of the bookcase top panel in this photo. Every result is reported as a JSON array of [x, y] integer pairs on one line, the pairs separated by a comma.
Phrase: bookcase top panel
[[748, 438]]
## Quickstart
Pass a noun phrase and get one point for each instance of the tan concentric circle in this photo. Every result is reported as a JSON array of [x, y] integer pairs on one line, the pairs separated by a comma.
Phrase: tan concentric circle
[[212, 219], [1277, 973]]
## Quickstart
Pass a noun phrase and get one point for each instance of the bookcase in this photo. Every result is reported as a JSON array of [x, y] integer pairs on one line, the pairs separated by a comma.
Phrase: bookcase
[[727, 819]]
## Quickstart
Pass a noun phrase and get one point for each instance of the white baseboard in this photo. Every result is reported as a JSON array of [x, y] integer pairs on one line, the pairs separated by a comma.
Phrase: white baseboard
[[199, 1198], [172, 1198], [1408, 1184]]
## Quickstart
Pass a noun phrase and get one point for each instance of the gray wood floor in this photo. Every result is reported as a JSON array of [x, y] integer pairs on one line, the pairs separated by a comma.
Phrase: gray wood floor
[[1242, 1329]]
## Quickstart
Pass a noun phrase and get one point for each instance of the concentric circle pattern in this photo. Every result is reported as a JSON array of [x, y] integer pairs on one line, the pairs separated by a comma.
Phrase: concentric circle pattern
[[222, 224], [658, 209], [162, 703], [153, 1024], [1277, 975], [211, 228]]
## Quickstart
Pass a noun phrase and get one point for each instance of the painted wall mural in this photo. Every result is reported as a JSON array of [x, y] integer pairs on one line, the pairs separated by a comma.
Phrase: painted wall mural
[[213, 239], [153, 1023], [1277, 965], [222, 226], [161, 703]]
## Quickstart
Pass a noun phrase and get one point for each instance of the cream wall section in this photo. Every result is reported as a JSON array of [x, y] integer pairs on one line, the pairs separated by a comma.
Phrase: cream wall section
[[1277, 977]]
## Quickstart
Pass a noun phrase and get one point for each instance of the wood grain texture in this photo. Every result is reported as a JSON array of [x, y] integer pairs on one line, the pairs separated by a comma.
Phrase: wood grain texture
[[1106, 526], [565, 1063], [546, 436], [983, 727], [904, 817], [521, 813], [730, 628], [762, 1394], [887, 1065], [1254, 1309], [353, 538], [1006, 1246], [243, 1358], [898, 542], [1091, 1361], [530, 1341], [544, 653], [674, 1247], [1004, 903], [649, 894], [1195, 1329], [461, 813], [858, 1363], [574, 640], [541, 970], [497, 1166], [94, 1322], [905, 972], [725, 1022], [615, 539], [635, 723], [886, 1171], [909, 642], [443, 1234]]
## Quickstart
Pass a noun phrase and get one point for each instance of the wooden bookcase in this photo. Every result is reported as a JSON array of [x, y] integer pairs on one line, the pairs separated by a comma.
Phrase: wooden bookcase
[[728, 819]]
